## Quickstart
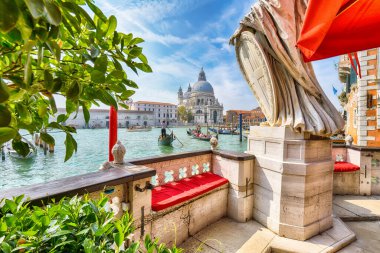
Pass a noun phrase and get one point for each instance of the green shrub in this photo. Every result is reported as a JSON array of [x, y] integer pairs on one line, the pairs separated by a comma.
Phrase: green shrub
[[75, 224]]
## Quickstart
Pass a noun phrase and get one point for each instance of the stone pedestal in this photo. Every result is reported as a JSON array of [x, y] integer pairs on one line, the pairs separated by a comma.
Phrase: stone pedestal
[[293, 181]]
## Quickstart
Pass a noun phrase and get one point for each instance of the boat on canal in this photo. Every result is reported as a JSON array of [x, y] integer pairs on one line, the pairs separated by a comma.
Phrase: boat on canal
[[139, 129], [224, 131], [166, 140]]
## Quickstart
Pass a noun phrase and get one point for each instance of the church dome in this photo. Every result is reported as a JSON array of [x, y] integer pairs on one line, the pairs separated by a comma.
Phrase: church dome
[[202, 85]]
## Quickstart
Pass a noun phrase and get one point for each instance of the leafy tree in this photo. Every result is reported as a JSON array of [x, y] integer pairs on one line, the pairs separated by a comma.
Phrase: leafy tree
[[184, 114], [55, 48]]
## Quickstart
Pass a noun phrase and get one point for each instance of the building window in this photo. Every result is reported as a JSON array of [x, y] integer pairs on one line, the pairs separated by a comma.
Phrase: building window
[[164, 115], [355, 116], [159, 115]]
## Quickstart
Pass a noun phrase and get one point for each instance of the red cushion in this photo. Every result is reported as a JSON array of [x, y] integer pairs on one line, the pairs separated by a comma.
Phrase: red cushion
[[174, 193], [345, 167]]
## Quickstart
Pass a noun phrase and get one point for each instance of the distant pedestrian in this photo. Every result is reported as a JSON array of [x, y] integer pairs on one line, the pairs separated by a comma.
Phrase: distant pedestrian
[[163, 129]]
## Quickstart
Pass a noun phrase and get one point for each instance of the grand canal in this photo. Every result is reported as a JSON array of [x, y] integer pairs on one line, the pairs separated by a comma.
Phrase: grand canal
[[93, 151]]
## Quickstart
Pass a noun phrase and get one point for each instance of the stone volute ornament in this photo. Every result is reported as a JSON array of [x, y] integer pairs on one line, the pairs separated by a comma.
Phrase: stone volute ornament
[[118, 152], [285, 86], [214, 143]]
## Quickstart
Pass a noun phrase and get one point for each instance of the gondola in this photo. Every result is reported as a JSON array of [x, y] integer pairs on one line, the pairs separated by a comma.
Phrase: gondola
[[167, 140], [203, 138]]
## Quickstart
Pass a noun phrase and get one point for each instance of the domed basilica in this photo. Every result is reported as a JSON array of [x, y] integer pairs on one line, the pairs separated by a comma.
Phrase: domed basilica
[[200, 99]]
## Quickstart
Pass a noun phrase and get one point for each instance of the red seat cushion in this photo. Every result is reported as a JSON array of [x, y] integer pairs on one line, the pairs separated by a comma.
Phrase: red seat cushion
[[174, 193], [345, 167]]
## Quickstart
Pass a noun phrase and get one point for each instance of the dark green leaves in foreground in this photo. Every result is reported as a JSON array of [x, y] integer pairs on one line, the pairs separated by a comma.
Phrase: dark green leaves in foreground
[[51, 48], [71, 225]]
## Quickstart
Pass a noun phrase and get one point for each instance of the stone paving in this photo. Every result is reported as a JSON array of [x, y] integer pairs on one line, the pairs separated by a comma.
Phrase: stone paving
[[361, 213], [357, 208]]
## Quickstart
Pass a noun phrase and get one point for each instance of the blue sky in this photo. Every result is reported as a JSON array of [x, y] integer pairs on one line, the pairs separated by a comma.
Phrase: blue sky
[[181, 36]]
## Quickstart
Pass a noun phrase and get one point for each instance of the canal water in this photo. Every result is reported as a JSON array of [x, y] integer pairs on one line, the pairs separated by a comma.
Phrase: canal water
[[93, 151]]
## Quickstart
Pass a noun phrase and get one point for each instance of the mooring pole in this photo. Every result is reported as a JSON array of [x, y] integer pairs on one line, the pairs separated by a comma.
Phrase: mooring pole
[[112, 132], [241, 127]]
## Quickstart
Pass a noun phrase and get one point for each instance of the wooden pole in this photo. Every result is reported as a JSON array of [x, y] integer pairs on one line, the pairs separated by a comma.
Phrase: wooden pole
[[241, 127], [112, 132]]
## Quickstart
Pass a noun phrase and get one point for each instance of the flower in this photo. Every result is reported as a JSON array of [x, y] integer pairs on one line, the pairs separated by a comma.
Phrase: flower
[[182, 173], [206, 167], [154, 180], [195, 169], [169, 176]]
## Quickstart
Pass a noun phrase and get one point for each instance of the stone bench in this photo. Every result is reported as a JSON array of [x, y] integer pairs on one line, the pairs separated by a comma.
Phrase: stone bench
[[346, 179], [174, 193]]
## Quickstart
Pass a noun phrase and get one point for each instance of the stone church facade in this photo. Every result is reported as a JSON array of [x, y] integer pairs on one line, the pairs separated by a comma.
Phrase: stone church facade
[[200, 99]]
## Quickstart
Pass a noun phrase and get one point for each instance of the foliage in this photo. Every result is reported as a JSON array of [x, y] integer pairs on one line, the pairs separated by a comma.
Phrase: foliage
[[184, 115], [72, 225], [343, 99], [54, 48]]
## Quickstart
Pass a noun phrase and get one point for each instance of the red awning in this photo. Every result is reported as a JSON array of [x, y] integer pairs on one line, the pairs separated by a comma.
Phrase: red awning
[[336, 27]]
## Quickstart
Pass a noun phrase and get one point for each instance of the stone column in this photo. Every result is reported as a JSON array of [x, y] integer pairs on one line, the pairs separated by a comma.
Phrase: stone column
[[238, 169], [293, 176]]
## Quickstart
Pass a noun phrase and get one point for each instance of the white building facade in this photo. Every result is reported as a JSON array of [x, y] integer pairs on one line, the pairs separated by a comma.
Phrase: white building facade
[[200, 99], [99, 118], [162, 111]]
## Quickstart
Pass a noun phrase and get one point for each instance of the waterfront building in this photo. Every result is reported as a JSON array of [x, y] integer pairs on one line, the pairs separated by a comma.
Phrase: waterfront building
[[162, 111], [250, 117], [360, 98], [99, 118], [201, 101]]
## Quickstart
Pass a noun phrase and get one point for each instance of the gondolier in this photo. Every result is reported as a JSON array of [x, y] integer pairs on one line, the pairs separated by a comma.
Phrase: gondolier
[[163, 128]]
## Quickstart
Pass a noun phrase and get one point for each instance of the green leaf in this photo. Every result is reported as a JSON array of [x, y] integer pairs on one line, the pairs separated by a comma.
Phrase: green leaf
[[126, 94], [87, 17], [5, 247], [101, 63], [61, 118], [73, 91], [88, 245], [54, 15], [71, 146], [5, 116], [30, 232], [9, 14], [4, 92], [86, 113], [45, 220], [135, 52], [6, 134], [135, 41], [55, 125], [144, 67], [53, 106], [116, 63], [47, 138], [57, 84], [71, 106], [21, 147], [96, 10], [118, 238], [97, 76], [112, 23], [24, 114], [107, 98], [36, 8], [48, 80]]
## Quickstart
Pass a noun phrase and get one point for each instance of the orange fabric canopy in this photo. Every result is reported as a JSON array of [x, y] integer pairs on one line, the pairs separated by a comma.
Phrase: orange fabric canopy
[[336, 27]]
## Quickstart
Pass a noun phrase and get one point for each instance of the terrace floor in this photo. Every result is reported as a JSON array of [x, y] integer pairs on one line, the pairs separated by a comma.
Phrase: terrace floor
[[361, 213]]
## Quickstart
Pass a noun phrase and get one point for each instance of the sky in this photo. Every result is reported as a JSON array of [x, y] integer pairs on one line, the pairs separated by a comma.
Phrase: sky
[[181, 36]]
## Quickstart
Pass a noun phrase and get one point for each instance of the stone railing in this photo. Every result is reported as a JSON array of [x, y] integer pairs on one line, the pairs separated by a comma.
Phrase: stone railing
[[131, 183]]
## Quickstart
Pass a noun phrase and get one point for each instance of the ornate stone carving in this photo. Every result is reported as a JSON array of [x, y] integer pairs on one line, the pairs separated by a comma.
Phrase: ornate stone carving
[[213, 143], [285, 86], [118, 152]]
